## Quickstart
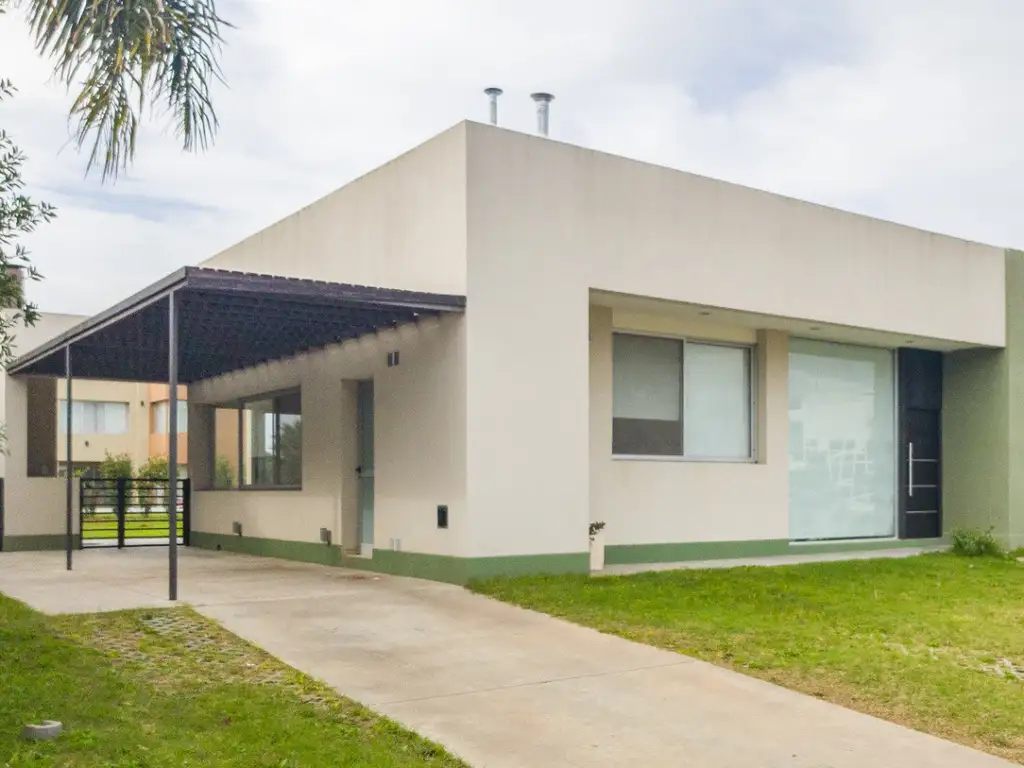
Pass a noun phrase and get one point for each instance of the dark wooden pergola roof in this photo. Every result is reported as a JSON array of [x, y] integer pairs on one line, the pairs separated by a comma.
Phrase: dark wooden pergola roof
[[226, 321]]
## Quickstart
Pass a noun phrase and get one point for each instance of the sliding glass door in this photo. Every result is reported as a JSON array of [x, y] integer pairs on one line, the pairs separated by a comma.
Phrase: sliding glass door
[[842, 442]]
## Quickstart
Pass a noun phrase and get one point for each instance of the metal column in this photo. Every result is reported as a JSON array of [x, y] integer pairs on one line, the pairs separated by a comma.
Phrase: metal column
[[68, 463], [172, 452]]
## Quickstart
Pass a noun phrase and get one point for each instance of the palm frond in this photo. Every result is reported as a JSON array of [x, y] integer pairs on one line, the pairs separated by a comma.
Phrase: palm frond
[[123, 55]]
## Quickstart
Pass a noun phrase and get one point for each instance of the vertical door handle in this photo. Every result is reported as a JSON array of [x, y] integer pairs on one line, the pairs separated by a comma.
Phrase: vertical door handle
[[910, 469]]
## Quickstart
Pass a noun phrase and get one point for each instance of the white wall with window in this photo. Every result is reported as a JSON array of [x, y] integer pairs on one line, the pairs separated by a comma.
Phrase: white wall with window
[[688, 423], [93, 417], [419, 442]]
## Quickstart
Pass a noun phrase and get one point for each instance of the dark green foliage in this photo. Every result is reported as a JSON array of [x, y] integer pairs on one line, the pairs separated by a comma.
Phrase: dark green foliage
[[123, 57]]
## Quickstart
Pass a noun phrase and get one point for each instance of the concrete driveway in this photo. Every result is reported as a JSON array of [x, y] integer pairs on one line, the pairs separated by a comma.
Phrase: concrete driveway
[[497, 685]]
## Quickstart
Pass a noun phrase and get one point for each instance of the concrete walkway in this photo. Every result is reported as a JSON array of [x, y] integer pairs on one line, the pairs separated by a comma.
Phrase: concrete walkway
[[497, 685]]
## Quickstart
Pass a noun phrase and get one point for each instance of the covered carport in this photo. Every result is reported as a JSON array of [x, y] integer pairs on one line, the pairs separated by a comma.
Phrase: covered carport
[[199, 323]]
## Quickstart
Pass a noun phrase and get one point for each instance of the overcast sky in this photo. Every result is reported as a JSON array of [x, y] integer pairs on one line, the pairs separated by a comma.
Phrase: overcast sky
[[910, 110]]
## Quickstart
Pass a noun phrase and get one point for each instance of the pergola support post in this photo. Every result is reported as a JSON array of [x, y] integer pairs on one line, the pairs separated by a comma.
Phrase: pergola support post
[[172, 450], [68, 463]]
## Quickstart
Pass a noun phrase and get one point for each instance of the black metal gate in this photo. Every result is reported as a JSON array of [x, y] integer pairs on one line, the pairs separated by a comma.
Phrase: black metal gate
[[131, 512]]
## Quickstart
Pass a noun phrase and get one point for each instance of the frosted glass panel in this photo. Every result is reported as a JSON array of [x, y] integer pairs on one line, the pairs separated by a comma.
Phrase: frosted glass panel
[[160, 418], [647, 404], [645, 378], [83, 418], [112, 418], [842, 446], [717, 387]]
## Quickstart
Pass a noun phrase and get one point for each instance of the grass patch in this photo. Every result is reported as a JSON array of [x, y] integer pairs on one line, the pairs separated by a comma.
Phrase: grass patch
[[149, 530], [103, 525], [934, 642], [171, 688]]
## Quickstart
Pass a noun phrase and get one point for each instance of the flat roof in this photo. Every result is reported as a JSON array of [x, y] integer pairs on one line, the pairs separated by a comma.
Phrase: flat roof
[[225, 321]]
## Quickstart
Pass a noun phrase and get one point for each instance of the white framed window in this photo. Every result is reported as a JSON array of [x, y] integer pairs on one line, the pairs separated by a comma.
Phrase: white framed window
[[681, 398], [160, 423], [91, 417], [271, 441]]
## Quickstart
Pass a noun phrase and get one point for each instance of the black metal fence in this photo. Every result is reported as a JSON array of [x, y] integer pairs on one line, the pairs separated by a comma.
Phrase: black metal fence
[[131, 512]]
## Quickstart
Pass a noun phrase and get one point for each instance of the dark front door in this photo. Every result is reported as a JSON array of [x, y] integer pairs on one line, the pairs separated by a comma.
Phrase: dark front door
[[922, 494], [920, 444]]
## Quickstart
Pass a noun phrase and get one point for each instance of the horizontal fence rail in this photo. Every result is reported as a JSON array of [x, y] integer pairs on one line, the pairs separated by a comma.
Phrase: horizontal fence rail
[[132, 512]]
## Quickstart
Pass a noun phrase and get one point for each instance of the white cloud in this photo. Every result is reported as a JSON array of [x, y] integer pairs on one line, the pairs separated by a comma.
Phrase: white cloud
[[902, 110]]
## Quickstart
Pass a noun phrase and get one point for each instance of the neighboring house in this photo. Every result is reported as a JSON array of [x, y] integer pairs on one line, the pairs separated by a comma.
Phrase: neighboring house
[[116, 418], [108, 417], [461, 359]]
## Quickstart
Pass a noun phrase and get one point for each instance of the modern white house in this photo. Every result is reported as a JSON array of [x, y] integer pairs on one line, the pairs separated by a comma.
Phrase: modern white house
[[451, 366]]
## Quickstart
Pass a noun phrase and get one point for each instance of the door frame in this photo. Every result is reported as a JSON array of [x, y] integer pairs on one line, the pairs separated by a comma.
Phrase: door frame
[[365, 401]]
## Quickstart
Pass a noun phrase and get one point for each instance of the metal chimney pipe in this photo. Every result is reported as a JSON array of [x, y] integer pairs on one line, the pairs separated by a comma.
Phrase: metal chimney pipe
[[543, 101], [493, 94]]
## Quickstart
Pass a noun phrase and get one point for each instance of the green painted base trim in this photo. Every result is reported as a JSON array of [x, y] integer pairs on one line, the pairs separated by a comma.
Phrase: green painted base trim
[[39, 543], [462, 570], [417, 564], [303, 551], [522, 565], [863, 546], [630, 554], [454, 570]]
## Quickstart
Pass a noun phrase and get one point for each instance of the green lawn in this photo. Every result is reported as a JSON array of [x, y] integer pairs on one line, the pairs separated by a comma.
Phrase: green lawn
[[103, 525], [148, 530], [169, 688], [934, 642]]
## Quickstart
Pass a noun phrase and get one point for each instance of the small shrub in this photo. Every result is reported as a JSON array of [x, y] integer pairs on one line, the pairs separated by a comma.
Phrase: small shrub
[[113, 467], [155, 468], [971, 542], [594, 529], [223, 474]]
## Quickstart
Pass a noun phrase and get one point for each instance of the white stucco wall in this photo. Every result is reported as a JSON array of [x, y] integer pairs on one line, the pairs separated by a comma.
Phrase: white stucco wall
[[419, 441], [548, 223], [33, 506], [27, 338], [594, 220], [402, 225]]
